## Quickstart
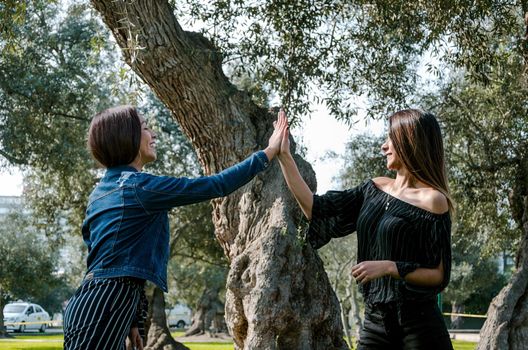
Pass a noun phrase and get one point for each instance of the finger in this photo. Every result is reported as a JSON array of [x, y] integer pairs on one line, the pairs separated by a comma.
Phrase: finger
[[140, 342], [285, 134], [358, 268], [362, 276], [281, 117], [275, 124]]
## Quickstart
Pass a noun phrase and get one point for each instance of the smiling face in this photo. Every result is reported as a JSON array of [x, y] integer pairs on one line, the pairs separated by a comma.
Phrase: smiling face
[[393, 162], [147, 147]]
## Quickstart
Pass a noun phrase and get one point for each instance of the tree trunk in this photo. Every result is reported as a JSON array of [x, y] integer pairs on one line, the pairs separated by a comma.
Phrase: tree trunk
[[209, 316], [507, 324], [278, 294], [354, 316], [456, 321], [158, 336], [3, 331]]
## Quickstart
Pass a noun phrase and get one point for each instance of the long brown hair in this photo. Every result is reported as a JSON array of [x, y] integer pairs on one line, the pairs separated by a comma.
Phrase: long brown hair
[[417, 140]]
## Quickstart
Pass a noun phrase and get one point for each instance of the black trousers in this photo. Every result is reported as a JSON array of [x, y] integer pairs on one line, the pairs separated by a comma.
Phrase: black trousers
[[404, 326], [102, 311]]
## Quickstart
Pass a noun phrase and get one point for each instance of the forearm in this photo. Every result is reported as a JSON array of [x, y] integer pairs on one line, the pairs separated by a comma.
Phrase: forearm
[[426, 277], [296, 184], [270, 153], [232, 178]]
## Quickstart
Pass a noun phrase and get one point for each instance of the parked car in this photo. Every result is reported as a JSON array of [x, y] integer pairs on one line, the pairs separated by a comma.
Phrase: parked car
[[179, 316], [20, 316]]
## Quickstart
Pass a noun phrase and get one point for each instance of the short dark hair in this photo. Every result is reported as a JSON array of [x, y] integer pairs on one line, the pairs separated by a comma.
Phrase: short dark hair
[[114, 136]]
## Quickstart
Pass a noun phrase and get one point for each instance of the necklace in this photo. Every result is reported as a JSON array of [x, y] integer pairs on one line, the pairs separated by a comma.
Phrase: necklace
[[389, 199]]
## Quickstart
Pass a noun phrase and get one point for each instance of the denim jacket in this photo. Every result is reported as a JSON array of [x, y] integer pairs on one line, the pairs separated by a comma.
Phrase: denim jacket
[[126, 227]]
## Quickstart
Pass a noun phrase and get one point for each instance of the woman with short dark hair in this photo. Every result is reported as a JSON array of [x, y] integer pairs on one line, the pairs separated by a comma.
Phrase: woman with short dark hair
[[403, 230], [126, 227]]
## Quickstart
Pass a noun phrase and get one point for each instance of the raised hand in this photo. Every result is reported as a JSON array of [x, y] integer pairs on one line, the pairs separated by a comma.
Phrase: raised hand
[[285, 144], [274, 143]]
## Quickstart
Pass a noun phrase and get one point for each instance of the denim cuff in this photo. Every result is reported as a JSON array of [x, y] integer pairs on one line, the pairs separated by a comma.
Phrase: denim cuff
[[263, 159]]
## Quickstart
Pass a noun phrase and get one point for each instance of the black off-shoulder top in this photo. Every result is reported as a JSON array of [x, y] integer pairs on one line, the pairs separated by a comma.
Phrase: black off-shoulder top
[[388, 228]]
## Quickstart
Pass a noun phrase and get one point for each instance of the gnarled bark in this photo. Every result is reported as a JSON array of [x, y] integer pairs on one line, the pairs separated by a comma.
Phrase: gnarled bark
[[278, 294]]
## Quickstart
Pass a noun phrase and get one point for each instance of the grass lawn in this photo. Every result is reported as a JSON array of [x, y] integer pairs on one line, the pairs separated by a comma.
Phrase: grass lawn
[[50, 342], [464, 345]]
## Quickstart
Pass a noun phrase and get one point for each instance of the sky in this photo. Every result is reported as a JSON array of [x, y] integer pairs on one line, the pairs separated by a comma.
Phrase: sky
[[320, 134]]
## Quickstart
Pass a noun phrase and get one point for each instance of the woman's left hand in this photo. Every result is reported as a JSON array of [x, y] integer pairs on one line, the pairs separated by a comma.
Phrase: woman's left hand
[[367, 271], [135, 341]]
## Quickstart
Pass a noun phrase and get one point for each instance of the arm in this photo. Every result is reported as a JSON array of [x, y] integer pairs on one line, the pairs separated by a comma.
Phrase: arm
[[367, 271], [296, 183], [294, 180], [164, 192]]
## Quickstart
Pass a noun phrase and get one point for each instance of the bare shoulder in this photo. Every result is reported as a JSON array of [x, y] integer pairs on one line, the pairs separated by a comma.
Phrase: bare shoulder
[[434, 201], [382, 182]]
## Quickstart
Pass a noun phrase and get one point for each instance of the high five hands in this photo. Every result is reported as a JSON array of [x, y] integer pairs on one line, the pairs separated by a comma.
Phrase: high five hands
[[279, 141]]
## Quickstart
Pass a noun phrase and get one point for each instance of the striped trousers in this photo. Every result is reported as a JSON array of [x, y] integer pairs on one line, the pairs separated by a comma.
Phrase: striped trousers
[[102, 311]]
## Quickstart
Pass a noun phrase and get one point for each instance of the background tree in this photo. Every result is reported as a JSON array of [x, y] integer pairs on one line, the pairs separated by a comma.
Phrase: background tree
[[25, 254], [477, 53], [58, 70], [356, 51], [273, 277], [487, 132]]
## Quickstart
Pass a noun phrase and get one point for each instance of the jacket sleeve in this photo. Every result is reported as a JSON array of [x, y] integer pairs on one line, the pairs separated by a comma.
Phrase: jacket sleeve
[[334, 214], [163, 192]]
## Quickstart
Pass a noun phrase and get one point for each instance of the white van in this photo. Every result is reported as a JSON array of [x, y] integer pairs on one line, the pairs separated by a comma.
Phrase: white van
[[20, 316], [179, 316]]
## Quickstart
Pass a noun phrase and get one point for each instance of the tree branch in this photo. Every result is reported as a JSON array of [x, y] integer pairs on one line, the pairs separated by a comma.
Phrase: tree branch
[[10, 158]]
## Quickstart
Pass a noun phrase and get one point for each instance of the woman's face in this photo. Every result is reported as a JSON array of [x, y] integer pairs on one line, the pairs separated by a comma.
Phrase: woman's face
[[393, 162], [147, 146]]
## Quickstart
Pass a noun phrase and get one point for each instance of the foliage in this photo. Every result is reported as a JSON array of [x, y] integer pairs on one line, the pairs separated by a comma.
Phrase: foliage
[[363, 160], [475, 279], [486, 127], [347, 53], [25, 255]]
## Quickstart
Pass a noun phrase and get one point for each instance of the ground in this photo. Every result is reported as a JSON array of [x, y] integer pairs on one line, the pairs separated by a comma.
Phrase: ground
[[53, 341]]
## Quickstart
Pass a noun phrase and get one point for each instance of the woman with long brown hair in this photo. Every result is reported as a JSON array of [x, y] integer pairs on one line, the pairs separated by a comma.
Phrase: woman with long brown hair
[[403, 227]]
